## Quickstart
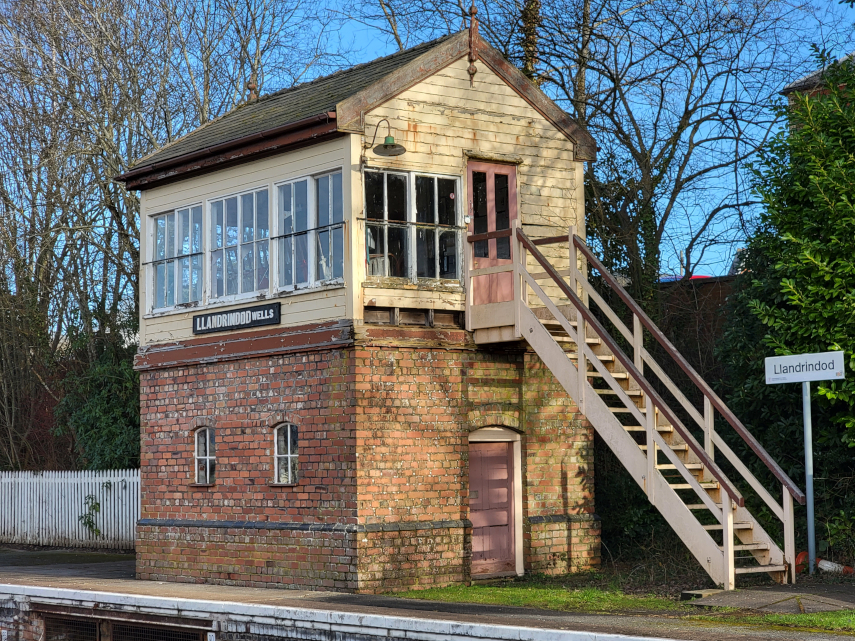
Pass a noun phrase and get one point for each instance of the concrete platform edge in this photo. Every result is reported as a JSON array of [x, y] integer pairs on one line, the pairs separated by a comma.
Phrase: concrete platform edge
[[380, 626]]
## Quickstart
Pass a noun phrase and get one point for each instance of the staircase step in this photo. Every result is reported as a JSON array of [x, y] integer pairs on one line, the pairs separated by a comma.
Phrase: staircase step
[[760, 568], [737, 525], [749, 546], [639, 428], [688, 466], [712, 485], [626, 410], [610, 392], [701, 506], [676, 448], [621, 376]]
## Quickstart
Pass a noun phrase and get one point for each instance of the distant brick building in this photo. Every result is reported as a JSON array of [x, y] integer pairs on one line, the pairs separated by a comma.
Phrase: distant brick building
[[321, 406]]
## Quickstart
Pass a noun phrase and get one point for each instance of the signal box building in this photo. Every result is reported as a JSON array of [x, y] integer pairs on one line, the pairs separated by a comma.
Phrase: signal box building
[[315, 413]]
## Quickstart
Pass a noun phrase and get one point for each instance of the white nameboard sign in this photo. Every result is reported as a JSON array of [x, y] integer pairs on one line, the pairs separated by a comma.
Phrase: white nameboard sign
[[825, 366]]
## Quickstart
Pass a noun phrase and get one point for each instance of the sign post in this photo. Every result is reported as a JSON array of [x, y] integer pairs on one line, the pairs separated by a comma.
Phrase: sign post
[[803, 369]]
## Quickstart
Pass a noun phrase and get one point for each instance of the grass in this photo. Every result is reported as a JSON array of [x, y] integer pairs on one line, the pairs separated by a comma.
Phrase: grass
[[601, 593], [546, 594]]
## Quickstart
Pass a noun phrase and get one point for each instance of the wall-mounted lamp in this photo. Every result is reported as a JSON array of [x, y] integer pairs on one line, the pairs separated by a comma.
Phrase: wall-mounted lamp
[[389, 147]]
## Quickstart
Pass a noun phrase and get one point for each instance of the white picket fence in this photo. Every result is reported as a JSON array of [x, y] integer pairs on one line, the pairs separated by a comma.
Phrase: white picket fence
[[50, 508]]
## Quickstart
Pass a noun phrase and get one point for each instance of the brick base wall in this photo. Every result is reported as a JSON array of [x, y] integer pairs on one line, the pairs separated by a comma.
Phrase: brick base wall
[[383, 494]]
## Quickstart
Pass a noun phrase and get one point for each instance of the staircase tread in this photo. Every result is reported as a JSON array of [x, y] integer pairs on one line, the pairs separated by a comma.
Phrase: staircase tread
[[760, 568], [737, 525], [701, 506], [749, 546], [688, 466], [639, 428]]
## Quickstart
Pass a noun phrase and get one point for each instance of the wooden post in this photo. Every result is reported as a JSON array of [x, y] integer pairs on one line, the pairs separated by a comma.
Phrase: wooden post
[[520, 287], [650, 430], [729, 573], [789, 536], [581, 331], [637, 342], [709, 426]]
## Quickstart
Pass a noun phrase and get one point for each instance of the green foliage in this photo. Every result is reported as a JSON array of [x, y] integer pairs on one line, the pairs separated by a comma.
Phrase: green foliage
[[100, 405], [797, 292], [87, 519]]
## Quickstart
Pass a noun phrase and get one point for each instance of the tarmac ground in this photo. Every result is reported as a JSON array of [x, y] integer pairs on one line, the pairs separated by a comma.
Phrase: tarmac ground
[[100, 572]]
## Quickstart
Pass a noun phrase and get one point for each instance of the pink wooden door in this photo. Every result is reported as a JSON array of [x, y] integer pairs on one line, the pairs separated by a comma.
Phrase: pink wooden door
[[492, 208], [491, 507]]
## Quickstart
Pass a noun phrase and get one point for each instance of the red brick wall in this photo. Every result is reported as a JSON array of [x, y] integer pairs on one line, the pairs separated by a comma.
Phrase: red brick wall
[[384, 429]]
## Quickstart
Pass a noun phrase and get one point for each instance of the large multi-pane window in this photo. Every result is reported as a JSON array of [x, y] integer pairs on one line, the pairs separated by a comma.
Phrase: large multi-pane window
[[178, 257], [412, 228], [240, 244], [311, 231]]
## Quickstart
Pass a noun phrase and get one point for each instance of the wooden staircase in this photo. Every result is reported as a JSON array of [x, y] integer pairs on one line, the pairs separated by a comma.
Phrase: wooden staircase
[[620, 396]]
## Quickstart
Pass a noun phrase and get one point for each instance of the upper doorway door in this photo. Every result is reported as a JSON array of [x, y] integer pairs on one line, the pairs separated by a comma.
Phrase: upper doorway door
[[492, 208]]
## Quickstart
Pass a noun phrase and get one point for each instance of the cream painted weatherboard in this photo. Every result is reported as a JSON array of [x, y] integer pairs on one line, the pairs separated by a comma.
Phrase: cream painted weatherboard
[[326, 303]]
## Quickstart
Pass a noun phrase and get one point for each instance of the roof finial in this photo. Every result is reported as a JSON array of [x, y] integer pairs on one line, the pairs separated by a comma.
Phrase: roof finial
[[252, 85], [473, 43]]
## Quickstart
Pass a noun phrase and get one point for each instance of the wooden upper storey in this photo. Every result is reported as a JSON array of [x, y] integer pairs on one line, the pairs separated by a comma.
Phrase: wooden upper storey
[[328, 229]]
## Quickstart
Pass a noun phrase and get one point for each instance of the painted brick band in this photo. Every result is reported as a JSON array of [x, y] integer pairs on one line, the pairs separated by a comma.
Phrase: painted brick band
[[562, 518], [306, 527]]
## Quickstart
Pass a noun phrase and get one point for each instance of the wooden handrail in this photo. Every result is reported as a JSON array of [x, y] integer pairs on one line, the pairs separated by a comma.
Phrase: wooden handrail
[[627, 363], [502, 233], [699, 382], [551, 240]]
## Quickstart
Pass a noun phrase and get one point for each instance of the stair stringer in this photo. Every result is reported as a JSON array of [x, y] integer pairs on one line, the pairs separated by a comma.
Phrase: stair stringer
[[667, 501]]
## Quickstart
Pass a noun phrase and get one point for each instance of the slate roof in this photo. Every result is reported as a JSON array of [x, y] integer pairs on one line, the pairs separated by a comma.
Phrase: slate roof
[[287, 106], [811, 80]]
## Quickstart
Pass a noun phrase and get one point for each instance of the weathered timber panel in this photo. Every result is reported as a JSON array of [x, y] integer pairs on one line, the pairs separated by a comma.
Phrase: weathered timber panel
[[297, 308]]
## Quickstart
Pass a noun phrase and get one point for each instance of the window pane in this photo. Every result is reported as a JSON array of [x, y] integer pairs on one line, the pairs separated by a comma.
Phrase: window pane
[[247, 211], [170, 236], [160, 238], [337, 204], [374, 243], [293, 449], [212, 468], [396, 197], [201, 470], [338, 252], [217, 274], [170, 283], [295, 476], [448, 254], [503, 248], [479, 204], [503, 212], [262, 217], [398, 255], [301, 205], [160, 285], [373, 195], [286, 258], [426, 252], [232, 271], [282, 475], [322, 252], [301, 259], [184, 280], [247, 268], [323, 191], [231, 221], [217, 224], [446, 211], [424, 199], [262, 265], [196, 231], [210, 442], [282, 440], [201, 443], [184, 232], [285, 209]]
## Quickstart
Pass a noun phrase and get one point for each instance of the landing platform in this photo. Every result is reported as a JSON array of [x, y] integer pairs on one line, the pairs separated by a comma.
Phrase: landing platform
[[102, 582]]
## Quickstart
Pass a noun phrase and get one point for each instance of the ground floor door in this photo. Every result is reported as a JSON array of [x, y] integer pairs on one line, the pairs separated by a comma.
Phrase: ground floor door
[[491, 507]]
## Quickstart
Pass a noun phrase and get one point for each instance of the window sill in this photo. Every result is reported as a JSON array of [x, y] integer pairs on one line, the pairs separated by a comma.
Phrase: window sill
[[257, 297], [202, 484], [283, 484], [429, 284]]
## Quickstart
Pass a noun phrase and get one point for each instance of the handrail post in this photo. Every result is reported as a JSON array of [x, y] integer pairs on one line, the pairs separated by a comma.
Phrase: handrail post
[[637, 342], [709, 426], [650, 429], [727, 509], [789, 535], [581, 331]]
